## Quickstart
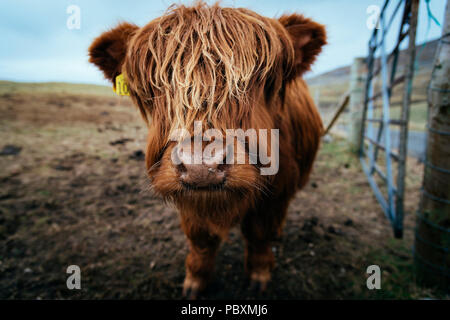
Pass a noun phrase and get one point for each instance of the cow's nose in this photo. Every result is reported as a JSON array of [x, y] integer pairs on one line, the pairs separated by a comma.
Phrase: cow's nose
[[207, 172]]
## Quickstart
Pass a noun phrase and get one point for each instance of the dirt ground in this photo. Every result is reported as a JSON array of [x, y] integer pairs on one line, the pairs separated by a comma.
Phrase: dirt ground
[[73, 191]]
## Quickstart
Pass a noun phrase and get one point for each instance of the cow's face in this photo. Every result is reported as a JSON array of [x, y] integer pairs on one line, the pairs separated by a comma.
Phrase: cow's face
[[210, 81]]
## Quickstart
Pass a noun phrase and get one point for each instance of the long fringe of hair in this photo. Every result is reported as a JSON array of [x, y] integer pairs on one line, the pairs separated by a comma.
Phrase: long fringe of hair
[[191, 62]]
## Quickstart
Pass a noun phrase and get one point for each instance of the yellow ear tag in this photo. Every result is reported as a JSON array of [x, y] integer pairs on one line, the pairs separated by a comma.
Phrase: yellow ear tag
[[121, 87]]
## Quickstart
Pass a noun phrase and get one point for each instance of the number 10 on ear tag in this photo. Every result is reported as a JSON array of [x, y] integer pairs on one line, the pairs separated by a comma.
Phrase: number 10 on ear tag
[[121, 87]]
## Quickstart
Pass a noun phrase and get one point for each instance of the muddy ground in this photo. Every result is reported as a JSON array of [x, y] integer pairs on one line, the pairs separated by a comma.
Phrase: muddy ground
[[73, 192]]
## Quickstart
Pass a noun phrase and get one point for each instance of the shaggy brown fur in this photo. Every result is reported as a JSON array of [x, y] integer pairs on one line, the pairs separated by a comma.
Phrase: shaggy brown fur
[[229, 68]]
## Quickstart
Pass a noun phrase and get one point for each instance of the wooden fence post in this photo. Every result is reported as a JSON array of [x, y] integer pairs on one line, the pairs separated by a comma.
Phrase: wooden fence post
[[432, 243], [357, 82]]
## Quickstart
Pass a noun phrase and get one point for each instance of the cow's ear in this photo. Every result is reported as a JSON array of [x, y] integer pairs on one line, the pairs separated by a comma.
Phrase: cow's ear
[[307, 38], [108, 50]]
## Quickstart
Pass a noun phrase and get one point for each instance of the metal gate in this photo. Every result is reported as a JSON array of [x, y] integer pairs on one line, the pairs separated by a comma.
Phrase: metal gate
[[376, 131]]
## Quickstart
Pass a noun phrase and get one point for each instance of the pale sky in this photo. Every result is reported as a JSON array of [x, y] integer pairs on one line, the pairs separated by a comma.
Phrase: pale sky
[[38, 46]]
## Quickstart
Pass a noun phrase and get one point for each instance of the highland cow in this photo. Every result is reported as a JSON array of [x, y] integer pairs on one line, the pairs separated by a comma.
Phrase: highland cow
[[225, 68]]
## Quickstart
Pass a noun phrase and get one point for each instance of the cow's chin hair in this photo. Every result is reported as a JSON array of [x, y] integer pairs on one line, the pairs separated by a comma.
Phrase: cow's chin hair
[[241, 190]]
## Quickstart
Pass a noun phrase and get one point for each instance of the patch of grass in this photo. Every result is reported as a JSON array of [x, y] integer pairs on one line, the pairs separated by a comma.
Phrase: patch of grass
[[398, 279], [44, 193], [417, 116], [339, 152], [10, 87]]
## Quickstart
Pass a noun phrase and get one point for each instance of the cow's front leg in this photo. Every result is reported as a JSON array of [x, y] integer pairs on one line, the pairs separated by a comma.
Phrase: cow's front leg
[[200, 260], [259, 228], [259, 262]]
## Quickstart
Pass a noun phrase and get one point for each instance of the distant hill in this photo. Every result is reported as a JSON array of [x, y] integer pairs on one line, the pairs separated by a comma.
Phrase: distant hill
[[339, 74], [327, 88], [10, 87], [425, 55]]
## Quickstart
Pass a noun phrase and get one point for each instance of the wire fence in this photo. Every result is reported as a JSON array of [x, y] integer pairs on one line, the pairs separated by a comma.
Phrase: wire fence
[[437, 248]]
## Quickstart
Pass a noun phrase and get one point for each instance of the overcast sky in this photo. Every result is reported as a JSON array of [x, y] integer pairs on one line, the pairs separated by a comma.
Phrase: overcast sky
[[37, 45]]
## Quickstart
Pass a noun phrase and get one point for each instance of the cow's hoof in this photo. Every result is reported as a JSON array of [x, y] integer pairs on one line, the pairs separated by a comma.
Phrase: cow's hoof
[[259, 280], [192, 287]]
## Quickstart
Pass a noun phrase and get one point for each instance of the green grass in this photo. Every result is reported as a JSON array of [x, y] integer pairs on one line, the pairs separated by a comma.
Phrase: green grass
[[417, 116], [339, 152], [398, 274], [397, 271]]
